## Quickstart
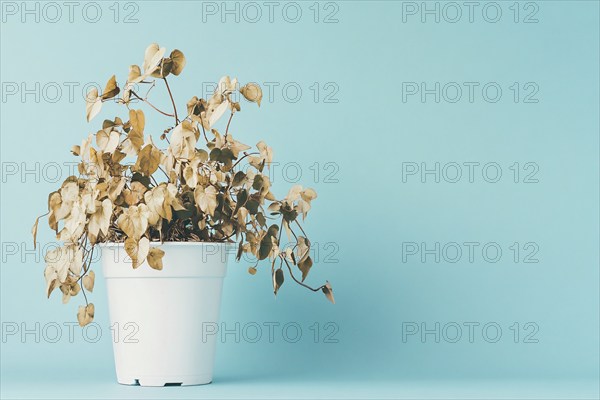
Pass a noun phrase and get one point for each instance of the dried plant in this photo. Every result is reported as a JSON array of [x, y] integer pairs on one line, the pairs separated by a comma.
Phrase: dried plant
[[197, 195]]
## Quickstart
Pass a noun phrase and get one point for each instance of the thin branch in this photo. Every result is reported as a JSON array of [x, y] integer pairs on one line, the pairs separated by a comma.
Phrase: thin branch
[[151, 105], [204, 133], [227, 128], [245, 155], [297, 281], [172, 100], [203, 130], [280, 231], [298, 223]]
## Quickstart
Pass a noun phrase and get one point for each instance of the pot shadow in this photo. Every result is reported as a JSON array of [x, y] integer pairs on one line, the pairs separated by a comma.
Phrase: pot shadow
[[256, 377]]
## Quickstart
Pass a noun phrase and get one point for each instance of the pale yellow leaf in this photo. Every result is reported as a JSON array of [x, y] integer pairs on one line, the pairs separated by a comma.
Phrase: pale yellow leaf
[[88, 281], [93, 104], [252, 92], [107, 140], [85, 315], [137, 250], [206, 199]]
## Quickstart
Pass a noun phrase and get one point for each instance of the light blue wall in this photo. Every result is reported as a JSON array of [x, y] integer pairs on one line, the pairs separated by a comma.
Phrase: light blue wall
[[373, 212]]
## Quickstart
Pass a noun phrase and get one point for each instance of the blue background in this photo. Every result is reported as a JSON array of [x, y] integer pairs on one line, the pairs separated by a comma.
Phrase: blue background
[[365, 217]]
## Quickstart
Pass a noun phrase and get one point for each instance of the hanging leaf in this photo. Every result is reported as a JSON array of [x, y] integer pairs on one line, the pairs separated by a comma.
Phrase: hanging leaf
[[305, 266], [137, 250], [277, 280], [266, 245], [240, 250], [88, 281], [328, 292], [100, 220], [155, 256], [252, 270], [260, 218], [85, 315], [242, 197], [51, 276]]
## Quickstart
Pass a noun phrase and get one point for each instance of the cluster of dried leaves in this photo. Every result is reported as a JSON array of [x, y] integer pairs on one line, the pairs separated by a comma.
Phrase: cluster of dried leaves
[[203, 195]]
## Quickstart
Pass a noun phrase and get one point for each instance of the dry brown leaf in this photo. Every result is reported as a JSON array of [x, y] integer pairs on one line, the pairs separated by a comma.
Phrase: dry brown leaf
[[206, 199], [137, 250], [88, 281], [305, 266], [134, 221], [111, 89], [85, 315], [178, 62], [278, 279], [252, 92], [149, 159], [327, 289], [155, 256]]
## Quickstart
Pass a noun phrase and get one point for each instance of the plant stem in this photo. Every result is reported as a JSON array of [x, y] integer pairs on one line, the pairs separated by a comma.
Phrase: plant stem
[[227, 128], [298, 223], [245, 155], [151, 105], [297, 281], [172, 100]]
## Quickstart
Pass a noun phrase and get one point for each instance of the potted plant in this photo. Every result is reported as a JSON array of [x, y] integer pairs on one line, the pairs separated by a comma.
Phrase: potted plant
[[164, 212]]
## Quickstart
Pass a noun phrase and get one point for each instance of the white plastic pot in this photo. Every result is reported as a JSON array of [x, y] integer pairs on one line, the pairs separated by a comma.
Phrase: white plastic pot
[[158, 317]]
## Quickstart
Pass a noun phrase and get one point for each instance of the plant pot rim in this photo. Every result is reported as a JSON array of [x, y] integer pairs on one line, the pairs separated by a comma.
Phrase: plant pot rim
[[121, 244]]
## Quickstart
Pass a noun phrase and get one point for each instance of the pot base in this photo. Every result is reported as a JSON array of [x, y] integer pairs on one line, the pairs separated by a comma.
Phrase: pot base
[[166, 380]]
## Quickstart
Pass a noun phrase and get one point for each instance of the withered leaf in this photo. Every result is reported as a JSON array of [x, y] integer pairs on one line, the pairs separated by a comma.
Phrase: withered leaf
[[137, 250], [206, 199], [277, 280], [111, 89], [93, 104], [88, 281], [155, 256], [85, 315], [252, 92], [328, 292], [178, 62], [148, 161], [305, 266], [266, 245]]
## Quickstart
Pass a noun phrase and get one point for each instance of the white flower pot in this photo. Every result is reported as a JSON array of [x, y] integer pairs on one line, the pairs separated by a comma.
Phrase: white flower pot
[[157, 317]]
